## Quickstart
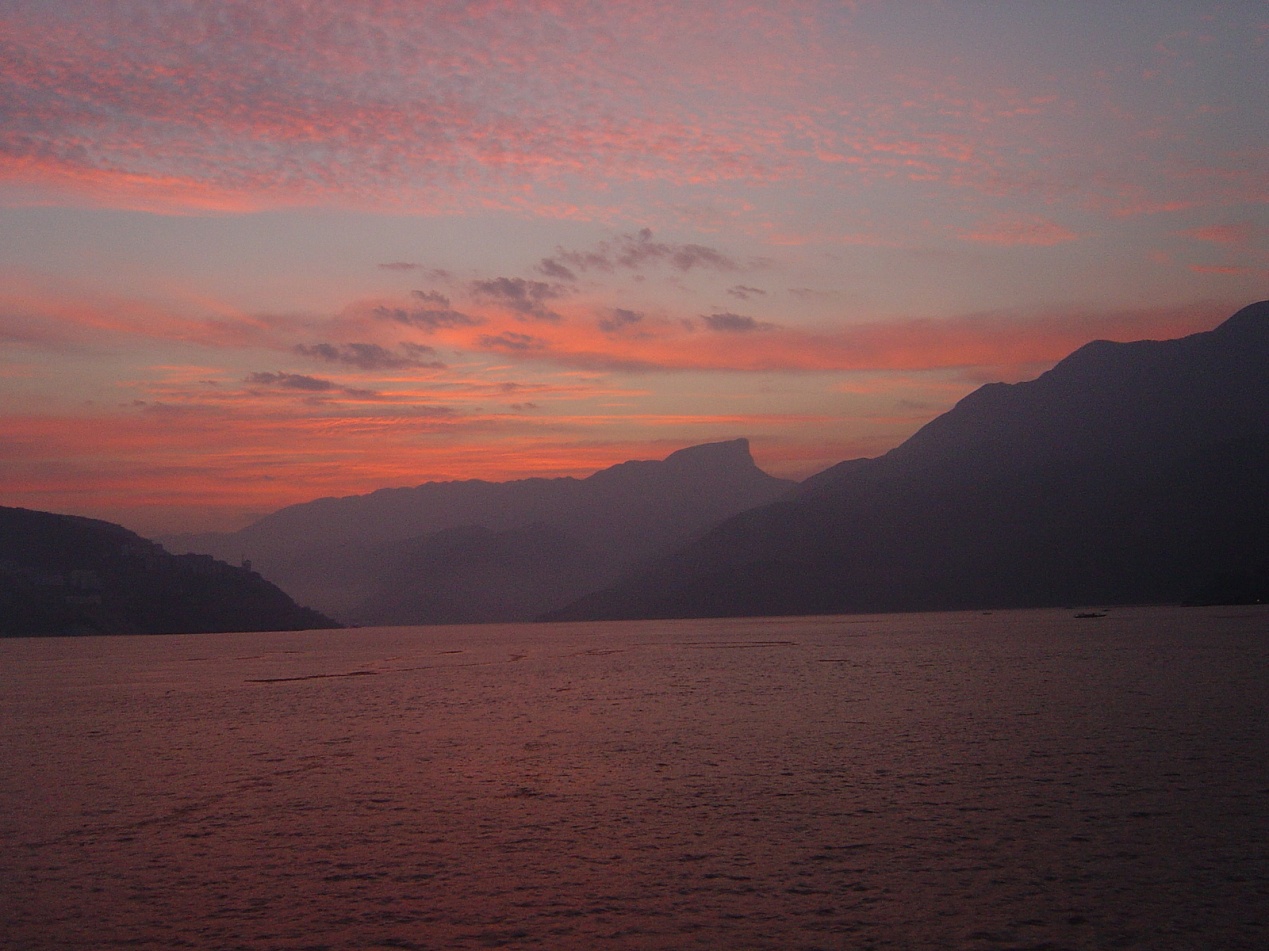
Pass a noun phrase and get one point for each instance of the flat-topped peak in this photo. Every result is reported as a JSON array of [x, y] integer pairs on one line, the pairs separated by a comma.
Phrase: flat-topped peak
[[732, 451]]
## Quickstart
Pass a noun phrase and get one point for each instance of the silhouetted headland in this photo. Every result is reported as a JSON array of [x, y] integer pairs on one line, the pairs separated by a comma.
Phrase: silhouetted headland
[[61, 574]]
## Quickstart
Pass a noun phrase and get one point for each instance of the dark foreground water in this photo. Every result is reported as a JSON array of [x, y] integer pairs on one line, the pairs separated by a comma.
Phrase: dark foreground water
[[1014, 780]]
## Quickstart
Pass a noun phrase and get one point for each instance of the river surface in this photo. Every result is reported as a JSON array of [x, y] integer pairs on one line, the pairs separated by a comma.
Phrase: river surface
[[1021, 779]]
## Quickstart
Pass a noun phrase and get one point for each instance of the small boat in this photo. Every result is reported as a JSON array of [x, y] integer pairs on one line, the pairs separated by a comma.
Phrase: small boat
[[1091, 614]]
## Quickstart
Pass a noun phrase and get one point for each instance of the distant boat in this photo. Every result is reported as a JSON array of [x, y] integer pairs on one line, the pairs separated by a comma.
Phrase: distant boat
[[1091, 614]]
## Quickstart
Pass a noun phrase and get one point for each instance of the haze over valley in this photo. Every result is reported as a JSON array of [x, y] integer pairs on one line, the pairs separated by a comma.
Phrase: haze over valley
[[1129, 473], [474, 551]]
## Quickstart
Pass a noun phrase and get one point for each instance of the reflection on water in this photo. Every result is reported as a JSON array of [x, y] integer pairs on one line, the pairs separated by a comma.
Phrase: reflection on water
[[1014, 780]]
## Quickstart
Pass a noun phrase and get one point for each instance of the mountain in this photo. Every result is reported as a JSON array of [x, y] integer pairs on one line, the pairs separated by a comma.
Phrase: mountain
[[471, 551], [60, 574], [1129, 473]]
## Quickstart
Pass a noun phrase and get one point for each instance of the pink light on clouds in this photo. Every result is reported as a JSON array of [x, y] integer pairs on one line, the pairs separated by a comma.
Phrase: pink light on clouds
[[235, 106], [238, 106], [224, 443], [1012, 230], [52, 317], [740, 343], [1233, 234], [173, 468], [253, 252]]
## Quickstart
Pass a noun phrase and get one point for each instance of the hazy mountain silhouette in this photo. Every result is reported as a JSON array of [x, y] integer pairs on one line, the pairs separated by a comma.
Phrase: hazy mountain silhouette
[[446, 552], [1130, 472], [60, 574]]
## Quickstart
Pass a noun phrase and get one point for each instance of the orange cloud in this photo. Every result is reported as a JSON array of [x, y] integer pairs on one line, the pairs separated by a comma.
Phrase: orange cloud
[[164, 469], [738, 342], [384, 349], [204, 445], [43, 314]]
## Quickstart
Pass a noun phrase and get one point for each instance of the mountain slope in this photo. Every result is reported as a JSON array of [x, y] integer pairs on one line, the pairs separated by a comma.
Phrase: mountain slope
[[60, 574], [479, 551], [1128, 472]]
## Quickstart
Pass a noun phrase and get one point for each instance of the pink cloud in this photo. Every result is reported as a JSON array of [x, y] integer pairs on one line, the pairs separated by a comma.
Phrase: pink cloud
[[163, 469], [1016, 230], [40, 313], [448, 106], [1233, 234], [373, 341], [214, 442], [1000, 342], [236, 106]]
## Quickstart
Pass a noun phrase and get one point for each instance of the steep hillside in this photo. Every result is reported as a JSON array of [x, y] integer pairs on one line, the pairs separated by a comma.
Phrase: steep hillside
[[1127, 473], [60, 574]]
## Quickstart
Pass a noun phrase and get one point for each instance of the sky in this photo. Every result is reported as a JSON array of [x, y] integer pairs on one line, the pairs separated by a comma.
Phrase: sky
[[253, 254]]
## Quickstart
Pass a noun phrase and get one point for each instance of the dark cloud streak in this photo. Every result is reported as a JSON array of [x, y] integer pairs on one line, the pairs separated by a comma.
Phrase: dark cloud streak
[[513, 342], [431, 297], [370, 356], [618, 319], [427, 318], [433, 273], [728, 322], [635, 251], [527, 298], [312, 386], [293, 381], [554, 269]]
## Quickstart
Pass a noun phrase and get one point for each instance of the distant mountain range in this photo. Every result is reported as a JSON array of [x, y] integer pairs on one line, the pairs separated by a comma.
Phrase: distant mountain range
[[1129, 473], [474, 551], [63, 575]]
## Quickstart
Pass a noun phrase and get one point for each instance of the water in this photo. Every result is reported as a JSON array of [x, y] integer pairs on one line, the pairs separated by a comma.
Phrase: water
[[1014, 780]]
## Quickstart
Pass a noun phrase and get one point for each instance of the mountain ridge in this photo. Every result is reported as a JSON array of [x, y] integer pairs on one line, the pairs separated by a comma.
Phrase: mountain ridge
[[367, 558], [1126, 472]]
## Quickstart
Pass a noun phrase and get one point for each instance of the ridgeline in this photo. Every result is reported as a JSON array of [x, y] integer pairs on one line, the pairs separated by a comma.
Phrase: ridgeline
[[65, 575]]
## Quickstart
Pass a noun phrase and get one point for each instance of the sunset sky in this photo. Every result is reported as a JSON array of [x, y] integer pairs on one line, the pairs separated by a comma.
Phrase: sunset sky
[[255, 253]]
